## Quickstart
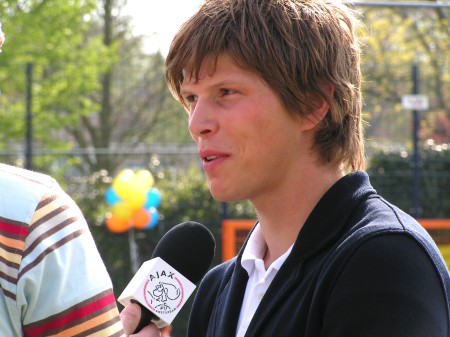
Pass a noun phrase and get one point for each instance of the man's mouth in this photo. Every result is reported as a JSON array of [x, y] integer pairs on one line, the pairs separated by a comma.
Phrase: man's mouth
[[210, 158]]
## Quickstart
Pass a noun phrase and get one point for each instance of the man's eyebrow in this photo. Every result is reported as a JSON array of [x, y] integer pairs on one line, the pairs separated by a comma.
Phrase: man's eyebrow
[[185, 92]]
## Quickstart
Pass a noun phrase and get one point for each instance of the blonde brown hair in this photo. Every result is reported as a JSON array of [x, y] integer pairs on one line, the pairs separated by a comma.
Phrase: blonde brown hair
[[300, 48]]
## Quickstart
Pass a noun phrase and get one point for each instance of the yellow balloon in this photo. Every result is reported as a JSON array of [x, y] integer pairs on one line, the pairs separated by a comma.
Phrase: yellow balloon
[[122, 210], [124, 175], [137, 199], [121, 183], [145, 178]]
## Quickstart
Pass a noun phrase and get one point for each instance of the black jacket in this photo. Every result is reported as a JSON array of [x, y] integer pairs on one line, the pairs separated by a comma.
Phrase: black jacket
[[360, 267]]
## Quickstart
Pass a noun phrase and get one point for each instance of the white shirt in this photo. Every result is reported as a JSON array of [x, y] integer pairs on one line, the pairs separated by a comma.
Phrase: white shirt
[[259, 278]]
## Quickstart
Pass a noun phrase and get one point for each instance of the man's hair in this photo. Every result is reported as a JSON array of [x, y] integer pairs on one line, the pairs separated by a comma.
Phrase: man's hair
[[302, 49]]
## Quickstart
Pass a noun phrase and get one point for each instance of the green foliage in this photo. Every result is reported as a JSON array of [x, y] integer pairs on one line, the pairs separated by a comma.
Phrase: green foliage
[[421, 36], [391, 175], [67, 64]]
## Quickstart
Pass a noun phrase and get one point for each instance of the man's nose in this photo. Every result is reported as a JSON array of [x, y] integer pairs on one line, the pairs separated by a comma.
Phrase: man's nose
[[202, 121]]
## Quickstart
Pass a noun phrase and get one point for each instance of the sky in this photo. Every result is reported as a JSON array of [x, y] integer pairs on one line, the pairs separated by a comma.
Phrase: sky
[[159, 20]]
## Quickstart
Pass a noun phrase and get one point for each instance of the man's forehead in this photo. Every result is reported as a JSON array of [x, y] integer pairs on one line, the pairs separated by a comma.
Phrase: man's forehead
[[207, 66]]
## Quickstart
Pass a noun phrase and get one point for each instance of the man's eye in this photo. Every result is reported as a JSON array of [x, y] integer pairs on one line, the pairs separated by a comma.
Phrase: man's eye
[[191, 98], [225, 92]]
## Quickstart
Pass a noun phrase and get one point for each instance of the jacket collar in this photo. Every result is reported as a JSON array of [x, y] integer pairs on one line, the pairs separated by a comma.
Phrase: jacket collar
[[325, 225], [329, 218]]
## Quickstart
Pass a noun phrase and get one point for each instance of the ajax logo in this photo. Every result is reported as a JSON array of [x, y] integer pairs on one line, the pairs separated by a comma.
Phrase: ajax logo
[[163, 292]]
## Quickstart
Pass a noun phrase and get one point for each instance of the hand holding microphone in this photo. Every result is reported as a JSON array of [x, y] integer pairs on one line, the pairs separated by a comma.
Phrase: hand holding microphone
[[130, 317], [163, 284]]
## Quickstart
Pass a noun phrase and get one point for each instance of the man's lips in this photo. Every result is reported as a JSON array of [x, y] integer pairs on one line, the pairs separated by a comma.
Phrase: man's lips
[[208, 156]]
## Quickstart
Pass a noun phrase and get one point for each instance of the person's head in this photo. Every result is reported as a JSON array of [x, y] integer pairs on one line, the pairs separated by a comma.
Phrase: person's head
[[305, 50]]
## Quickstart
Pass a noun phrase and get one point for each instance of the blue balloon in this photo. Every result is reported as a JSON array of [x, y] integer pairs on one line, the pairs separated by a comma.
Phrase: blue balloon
[[153, 198], [111, 197], [154, 218]]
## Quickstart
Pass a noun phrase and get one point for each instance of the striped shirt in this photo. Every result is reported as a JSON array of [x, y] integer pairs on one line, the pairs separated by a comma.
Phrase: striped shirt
[[52, 279]]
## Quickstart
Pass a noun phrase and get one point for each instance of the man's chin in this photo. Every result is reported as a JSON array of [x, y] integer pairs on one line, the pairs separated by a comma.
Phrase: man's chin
[[223, 197]]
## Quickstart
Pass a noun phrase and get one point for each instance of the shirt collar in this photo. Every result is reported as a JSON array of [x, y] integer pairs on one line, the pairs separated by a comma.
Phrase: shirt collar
[[256, 248]]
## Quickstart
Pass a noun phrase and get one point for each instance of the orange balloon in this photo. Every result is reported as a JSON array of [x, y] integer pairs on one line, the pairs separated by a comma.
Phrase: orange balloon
[[141, 218], [116, 224]]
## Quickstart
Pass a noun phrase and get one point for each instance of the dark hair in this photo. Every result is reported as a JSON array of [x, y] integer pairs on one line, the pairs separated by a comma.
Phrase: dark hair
[[300, 48]]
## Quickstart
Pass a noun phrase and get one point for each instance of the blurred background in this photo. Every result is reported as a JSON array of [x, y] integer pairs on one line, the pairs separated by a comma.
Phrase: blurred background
[[83, 97]]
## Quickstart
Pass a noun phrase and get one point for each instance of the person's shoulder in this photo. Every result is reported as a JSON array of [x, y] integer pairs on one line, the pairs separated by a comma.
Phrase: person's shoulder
[[222, 268], [24, 176], [22, 191], [216, 275], [386, 230], [389, 218]]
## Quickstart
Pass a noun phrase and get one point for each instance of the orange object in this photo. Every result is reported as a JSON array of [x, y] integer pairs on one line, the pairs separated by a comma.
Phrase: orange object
[[116, 224], [234, 233], [435, 223], [141, 218]]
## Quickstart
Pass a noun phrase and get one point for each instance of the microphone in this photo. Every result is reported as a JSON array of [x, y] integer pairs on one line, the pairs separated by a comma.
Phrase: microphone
[[163, 284]]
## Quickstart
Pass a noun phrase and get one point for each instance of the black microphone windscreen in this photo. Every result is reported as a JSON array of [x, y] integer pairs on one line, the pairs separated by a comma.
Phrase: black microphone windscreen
[[189, 248]]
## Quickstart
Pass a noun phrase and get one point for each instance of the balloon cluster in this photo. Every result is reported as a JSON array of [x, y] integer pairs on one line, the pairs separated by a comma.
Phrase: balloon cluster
[[133, 201]]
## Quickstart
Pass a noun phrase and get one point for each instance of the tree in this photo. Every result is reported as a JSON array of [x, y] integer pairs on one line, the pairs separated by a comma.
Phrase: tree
[[94, 90], [134, 102], [421, 36], [66, 68]]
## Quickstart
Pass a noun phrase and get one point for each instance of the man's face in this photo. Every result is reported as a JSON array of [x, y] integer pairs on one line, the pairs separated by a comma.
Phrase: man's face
[[247, 140]]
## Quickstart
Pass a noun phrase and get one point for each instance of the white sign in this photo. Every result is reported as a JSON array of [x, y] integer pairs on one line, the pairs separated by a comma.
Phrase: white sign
[[415, 102]]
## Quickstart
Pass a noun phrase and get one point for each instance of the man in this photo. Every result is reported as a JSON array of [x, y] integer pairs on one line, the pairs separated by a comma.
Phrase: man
[[52, 279], [273, 93]]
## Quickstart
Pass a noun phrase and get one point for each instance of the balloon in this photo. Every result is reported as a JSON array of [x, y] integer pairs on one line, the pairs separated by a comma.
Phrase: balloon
[[122, 210], [137, 199], [122, 182], [153, 198], [111, 196], [154, 218], [117, 225], [132, 190], [141, 218], [133, 201], [145, 178]]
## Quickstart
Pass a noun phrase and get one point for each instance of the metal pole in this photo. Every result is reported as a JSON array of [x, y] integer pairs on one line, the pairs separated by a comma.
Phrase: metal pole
[[28, 119], [416, 164], [224, 210], [134, 252]]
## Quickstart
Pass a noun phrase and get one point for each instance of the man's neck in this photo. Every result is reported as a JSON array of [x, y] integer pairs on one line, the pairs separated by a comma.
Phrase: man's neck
[[283, 218]]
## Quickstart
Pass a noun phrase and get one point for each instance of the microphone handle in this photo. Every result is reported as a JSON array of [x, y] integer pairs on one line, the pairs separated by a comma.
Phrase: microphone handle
[[146, 317]]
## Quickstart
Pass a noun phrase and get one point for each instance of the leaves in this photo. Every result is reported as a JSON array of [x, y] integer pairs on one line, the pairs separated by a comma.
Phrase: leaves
[[395, 39], [52, 36]]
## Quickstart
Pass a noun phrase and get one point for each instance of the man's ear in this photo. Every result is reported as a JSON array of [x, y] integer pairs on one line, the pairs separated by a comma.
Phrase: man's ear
[[318, 110]]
